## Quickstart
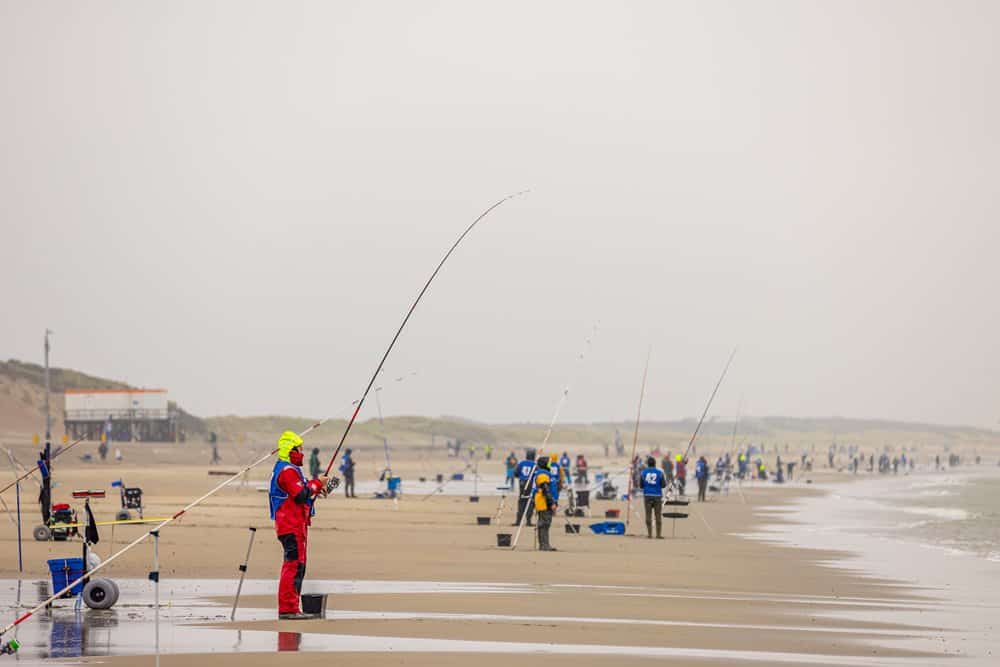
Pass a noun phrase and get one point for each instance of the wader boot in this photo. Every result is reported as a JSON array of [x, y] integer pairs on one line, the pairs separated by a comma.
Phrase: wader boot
[[544, 523]]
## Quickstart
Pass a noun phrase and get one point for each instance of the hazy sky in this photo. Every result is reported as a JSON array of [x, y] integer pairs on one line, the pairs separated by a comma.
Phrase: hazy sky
[[238, 201]]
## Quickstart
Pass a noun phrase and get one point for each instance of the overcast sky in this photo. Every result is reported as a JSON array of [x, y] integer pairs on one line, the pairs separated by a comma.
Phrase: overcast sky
[[238, 201]]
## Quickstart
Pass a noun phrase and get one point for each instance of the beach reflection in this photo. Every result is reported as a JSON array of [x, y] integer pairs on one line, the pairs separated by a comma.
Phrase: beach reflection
[[289, 641]]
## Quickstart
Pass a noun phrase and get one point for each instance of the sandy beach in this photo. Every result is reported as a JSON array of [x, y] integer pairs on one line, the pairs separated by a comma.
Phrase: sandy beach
[[418, 582]]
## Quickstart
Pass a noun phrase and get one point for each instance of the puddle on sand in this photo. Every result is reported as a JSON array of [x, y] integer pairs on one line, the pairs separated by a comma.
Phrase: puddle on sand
[[67, 632]]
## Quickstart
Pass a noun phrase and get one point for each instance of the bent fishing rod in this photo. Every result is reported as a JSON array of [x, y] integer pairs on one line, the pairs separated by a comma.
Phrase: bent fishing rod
[[708, 405], [406, 319], [38, 467], [548, 433], [91, 571]]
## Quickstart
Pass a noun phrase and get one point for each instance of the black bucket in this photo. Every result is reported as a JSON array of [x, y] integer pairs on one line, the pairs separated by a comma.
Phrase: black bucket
[[503, 539], [578, 512], [314, 604], [482, 520], [473, 499], [573, 528], [440, 478], [423, 479]]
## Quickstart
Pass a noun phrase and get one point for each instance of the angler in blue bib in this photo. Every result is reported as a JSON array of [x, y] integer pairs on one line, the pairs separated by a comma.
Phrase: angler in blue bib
[[525, 473], [653, 483], [555, 477]]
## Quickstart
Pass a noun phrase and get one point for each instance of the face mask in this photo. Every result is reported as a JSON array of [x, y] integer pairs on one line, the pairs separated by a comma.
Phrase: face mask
[[295, 457]]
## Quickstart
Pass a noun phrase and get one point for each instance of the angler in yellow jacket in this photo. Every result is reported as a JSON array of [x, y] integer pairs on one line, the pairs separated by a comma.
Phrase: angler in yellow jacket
[[545, 504]]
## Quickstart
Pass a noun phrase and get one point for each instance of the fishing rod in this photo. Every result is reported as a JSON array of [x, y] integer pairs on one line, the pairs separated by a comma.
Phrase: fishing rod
[[155, 530], [708, 405], [38, 467], [407, 319], [635, 442], [548, 434]]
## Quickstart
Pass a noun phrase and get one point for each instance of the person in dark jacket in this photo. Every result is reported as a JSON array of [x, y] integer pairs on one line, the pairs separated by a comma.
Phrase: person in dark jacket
[[701, 474]]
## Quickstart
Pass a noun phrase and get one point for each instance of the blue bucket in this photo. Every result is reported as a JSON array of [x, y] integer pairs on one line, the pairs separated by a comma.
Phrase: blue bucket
[[394, 483], [457, 477], [65, 571]]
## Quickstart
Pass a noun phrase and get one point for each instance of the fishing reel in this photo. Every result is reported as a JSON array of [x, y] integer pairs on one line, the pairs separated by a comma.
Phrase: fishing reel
[[10, 648], [331, 484]]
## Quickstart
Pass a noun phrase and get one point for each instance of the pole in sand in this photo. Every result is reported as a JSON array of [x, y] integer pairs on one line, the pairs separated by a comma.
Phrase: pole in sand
[[154, 576], [20, 557], [635, 443], [243, 574]]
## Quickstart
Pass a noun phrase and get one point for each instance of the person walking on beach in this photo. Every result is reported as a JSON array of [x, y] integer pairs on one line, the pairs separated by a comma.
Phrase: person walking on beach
[[290, 500], [524, 473], [544, 503], [511, 463], [653, 483], [581, 470], [347, 467], [701, 474], [680, 473]]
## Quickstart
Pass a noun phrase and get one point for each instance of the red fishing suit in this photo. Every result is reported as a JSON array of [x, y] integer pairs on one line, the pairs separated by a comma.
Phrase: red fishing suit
[[291, 500]]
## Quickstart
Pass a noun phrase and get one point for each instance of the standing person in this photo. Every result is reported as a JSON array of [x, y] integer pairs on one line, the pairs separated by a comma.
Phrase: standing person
[[564, 463], [581, 469], [489, 452], [291, 500], [668, 468], [525, 470], [102, 449], [544, 503], [555, 475], [653, 483], [314, 465], [347, 467], [511, 463], [215, 453], [680, 473], [701, 474]]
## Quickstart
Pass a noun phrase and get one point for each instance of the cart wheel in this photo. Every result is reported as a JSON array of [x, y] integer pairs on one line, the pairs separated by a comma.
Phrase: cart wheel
[[42, 533], [123, 515], [114, 584], [100, 594]]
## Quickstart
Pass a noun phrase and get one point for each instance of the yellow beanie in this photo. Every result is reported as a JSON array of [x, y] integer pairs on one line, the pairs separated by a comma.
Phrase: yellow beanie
[[288, 441]]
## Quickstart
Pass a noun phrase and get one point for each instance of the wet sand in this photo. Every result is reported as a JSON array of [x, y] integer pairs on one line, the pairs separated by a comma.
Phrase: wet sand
[[710, 596]]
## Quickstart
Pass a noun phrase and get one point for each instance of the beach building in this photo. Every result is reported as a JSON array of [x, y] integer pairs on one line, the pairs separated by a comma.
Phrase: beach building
[[120, 414]]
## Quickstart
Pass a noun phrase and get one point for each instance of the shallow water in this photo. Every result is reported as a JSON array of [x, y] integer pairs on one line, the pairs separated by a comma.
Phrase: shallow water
[[69, 632], [935, 531]]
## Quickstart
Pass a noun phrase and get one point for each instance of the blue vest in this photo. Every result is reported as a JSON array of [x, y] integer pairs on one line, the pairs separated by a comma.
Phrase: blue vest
[[652, 478], [554, 484], [276, 496], [524, 469]]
